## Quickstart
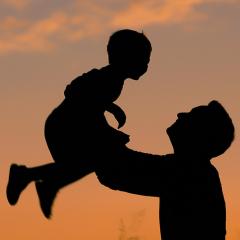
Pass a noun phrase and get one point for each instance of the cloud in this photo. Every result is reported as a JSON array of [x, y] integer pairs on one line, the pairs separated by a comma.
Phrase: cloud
[[80, 19], [152, 12], [35, 37], [17, 4], [148, 12], [45, 34], [11, 23]]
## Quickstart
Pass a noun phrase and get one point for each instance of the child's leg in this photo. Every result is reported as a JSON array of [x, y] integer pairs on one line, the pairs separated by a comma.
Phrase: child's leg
[[49, 179], [48, 188], [21, 176], [55, 176]]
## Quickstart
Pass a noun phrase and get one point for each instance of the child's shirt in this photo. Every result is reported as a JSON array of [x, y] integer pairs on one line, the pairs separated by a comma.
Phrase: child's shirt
[[80, 117], [94, 90]]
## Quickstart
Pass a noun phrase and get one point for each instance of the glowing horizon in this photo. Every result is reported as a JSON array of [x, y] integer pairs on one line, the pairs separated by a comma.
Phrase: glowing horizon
[[44, 45]]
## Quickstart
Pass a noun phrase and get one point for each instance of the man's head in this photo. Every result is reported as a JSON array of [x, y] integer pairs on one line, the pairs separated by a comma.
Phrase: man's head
[[206, 131], [130, 51]]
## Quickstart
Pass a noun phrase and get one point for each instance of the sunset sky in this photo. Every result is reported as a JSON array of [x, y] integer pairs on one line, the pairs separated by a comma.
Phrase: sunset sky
[[45, 44]]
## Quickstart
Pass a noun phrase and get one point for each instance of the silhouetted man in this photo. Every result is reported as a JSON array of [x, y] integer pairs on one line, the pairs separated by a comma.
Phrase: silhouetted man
[[192, 205]]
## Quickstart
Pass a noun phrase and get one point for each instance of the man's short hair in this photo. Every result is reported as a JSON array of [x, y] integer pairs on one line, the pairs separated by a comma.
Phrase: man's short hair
[[220, 129]]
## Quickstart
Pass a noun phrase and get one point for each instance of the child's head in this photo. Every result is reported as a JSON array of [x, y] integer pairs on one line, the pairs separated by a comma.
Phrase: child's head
[[206, 131], [130, 51]]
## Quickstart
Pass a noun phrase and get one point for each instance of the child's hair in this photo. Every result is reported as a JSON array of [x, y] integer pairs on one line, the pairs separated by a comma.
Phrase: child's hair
[[126, 42], [220, 129]]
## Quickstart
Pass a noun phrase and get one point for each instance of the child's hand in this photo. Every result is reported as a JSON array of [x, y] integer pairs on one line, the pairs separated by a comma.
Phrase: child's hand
[[121, 118], [118, 114]]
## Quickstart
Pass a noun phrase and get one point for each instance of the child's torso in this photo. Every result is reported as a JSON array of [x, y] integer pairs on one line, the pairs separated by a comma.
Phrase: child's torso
[[93, 90], [86, 99]]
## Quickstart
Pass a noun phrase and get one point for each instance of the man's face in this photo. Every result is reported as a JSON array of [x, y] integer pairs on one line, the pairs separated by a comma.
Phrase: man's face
[[188, 130]]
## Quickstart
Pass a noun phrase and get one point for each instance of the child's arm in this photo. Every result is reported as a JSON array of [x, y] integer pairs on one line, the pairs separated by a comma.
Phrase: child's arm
[[118, 113]]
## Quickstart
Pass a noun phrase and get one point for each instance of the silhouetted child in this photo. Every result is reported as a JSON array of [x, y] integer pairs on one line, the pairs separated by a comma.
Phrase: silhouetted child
[[192, 205], [76, 131]]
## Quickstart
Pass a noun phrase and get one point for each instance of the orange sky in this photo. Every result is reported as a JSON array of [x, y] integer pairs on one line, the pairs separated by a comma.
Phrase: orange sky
[[45, 44]]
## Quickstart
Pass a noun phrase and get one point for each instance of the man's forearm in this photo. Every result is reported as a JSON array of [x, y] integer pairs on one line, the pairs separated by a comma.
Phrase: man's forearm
[[134, 172]]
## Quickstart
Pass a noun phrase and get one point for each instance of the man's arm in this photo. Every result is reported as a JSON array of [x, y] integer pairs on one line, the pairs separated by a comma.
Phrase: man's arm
[[135, 172]]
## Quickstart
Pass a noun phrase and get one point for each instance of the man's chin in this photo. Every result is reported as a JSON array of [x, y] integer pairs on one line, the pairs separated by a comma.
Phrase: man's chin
[[136, 77], [171, 133], [169, 130]]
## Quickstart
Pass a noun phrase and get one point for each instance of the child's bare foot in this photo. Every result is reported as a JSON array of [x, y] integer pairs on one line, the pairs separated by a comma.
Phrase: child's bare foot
[[17, 182], [46, 195]]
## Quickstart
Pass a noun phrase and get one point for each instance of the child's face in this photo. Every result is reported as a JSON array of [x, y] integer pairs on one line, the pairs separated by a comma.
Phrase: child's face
[[137, 64], [189, 131]]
